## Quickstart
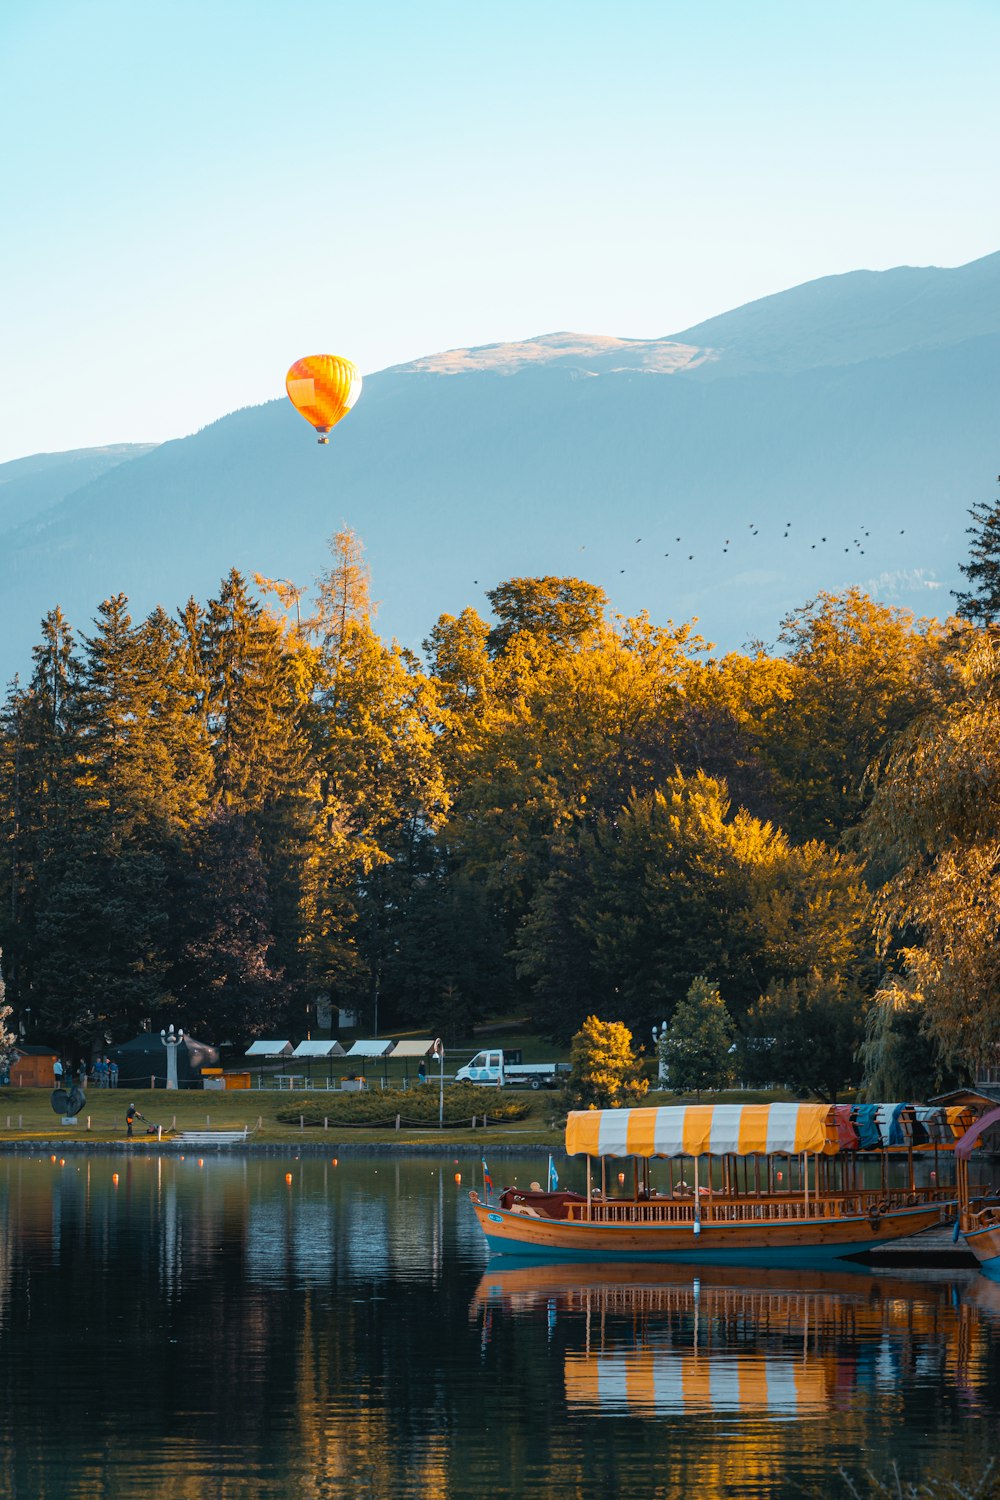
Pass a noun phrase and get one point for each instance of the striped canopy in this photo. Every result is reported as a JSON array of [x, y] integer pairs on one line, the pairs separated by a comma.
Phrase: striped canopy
[[702, 1130]]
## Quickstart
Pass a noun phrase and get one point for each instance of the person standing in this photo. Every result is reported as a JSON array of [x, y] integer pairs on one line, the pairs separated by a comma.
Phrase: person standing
[[57, 1072], [131, 1115]]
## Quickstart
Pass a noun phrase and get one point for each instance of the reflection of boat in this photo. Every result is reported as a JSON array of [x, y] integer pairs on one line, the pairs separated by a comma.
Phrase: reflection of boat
[[727, 1339], [782, 1185], [522, 1284], [979, 1215]]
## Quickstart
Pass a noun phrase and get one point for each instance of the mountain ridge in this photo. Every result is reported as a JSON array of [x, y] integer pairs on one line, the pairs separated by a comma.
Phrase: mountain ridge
[[457, 479]]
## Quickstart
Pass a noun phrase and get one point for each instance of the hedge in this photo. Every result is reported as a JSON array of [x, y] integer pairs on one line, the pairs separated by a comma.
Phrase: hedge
[[415, 1106]]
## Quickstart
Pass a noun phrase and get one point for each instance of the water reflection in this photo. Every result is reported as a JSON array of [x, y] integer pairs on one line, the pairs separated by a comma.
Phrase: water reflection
[[283, 1328], [790, 1343]]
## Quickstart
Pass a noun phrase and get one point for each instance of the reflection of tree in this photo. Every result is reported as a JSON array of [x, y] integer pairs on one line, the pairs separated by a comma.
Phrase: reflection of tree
[[217, 1332]]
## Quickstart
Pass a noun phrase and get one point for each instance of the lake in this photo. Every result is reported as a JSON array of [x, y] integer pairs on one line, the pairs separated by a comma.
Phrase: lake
[[263, 1326]]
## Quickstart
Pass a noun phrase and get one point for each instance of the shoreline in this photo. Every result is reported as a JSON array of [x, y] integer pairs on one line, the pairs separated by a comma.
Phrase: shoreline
[[140, 1146]]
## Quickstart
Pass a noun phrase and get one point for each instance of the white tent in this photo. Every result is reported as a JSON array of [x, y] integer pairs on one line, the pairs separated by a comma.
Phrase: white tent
[[371, 1049], [416, 1047], [375, 1047], [419, 1047], [269, 1049], [326, 1048]]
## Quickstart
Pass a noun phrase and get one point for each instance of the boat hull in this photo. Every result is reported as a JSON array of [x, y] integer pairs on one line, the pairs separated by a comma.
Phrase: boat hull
[[801, 1242], [985, 1246]]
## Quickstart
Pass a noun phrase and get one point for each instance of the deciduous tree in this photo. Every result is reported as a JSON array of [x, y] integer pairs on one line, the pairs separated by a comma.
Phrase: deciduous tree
[[934, 821], [805, 1034]]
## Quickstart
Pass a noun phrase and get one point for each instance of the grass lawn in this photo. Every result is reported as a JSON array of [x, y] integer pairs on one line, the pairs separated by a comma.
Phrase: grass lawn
[[31, 1118]]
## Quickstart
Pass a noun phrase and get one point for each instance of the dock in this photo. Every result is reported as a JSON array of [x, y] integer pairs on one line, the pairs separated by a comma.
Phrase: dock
[[935, 1247]]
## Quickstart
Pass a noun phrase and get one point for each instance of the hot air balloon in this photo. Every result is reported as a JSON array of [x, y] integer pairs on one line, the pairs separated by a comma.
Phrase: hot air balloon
[[323, 388]]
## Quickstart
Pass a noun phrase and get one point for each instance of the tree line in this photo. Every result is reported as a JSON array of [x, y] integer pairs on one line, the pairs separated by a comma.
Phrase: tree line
[[235, 814]]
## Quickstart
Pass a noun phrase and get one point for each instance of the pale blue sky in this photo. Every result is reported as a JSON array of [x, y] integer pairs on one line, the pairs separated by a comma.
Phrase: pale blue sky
[[194, 194]]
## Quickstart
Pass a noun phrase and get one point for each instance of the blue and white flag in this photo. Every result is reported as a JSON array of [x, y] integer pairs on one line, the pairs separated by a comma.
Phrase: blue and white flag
[[553, 1175]]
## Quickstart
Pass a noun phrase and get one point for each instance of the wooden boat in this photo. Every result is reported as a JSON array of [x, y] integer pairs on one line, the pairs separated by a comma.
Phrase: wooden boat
[[979, 1212], [772, 1184]]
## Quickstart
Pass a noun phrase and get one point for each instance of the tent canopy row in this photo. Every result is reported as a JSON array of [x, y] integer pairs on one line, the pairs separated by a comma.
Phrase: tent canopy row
[[375, 1047]]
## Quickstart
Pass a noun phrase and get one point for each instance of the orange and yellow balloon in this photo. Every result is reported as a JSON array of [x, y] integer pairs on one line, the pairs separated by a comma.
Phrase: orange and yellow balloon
[[323, 388]]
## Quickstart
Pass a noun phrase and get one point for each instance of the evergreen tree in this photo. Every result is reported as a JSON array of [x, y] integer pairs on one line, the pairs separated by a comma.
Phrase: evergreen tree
[[39, 766], [258, 679], [224, 980], [697, 1046], [981, 604]]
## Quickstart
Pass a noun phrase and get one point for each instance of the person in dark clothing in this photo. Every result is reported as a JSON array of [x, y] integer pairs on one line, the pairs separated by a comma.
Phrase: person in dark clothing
[[131, 1115]]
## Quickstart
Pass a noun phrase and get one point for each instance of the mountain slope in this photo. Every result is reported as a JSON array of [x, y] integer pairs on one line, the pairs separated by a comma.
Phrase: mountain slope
[[30, 485], [861, 315], [539, 464]]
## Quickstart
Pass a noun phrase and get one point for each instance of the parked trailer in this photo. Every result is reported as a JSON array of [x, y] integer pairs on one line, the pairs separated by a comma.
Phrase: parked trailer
[[493, 1069]]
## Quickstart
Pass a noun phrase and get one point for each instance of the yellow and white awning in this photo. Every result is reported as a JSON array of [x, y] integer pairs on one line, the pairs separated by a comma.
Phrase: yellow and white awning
[[702, 1130]]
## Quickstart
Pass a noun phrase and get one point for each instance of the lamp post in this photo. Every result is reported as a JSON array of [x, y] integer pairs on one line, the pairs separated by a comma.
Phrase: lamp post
[[171, 1040], [438, 1051]]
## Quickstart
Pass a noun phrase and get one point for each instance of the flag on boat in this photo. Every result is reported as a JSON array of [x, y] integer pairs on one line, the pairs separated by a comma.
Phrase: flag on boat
[[487, 1181], [553, 1175]]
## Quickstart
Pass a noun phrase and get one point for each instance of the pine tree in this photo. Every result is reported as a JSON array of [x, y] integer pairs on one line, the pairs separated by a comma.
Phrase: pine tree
[[981, 604], [696, 1048], [224, 981], [39, 766]]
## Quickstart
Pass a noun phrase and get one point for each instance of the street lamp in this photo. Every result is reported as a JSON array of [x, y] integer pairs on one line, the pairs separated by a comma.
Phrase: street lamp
[[438, 1051], [171, 1040]]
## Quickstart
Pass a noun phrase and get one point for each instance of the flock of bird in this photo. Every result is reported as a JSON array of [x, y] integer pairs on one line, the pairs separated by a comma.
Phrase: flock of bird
[[857, 543], [754, 530]]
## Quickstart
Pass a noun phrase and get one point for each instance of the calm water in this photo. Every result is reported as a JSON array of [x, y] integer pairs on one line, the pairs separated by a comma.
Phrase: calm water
[[217, 1331]]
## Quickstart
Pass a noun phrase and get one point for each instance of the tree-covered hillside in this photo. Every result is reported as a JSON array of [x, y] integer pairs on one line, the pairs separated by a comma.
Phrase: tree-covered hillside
[[230, 815]]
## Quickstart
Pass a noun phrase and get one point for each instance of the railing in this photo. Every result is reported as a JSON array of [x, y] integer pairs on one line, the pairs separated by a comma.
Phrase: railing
[[769, 1209]]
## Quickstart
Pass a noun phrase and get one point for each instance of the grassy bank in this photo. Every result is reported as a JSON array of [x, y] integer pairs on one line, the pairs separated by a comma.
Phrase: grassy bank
[[31, 1118]]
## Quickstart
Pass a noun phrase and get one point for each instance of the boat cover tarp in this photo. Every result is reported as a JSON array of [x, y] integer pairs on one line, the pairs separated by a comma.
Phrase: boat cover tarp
[[702, 1130], [895, 1124], [846, 1133], [960, 1117], [970, 1140]]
